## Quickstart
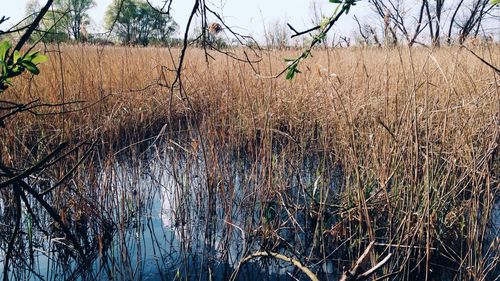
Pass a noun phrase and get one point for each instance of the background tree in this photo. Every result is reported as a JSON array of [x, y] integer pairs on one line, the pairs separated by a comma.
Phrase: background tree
[[453, 19], [76, 13], [136, 22], [277, 35], [65, 20], [53, 25], [472, 18]]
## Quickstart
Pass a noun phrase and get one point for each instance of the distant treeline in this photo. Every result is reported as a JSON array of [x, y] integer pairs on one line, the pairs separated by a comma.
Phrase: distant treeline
[[136, 22], [129, 22]]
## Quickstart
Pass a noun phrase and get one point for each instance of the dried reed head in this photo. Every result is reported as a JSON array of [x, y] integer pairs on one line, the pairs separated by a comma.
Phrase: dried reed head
[[214, 28]]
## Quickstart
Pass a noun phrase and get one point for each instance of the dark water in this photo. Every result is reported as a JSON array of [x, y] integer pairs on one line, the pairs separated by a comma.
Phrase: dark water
[[168, 216], [169, 221]]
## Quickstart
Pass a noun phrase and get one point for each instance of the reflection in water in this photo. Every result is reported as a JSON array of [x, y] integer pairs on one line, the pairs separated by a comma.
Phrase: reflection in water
[[173, 216], [210, 240]]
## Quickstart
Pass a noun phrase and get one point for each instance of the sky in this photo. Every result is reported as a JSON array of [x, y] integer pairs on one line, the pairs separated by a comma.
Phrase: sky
[[247, 17]]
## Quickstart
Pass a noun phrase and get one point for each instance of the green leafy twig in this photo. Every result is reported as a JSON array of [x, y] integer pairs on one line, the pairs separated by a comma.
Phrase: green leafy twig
[[10, 68], [325, 26]]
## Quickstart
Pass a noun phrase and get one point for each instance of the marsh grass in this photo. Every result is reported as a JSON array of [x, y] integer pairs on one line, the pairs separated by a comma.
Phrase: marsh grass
[[402, 144]]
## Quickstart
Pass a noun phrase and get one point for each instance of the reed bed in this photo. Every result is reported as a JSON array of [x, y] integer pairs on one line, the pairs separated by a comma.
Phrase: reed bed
[[402, 144]]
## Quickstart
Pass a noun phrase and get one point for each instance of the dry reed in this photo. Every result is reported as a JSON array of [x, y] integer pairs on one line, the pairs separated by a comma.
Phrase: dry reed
[[413, 132]]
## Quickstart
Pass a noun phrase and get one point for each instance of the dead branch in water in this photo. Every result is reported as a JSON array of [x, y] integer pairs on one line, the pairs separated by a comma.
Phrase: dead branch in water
[[355, 272], [293, 261]]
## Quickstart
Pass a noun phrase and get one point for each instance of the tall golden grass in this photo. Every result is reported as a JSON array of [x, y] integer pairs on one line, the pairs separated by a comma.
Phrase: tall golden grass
[[414, 132]]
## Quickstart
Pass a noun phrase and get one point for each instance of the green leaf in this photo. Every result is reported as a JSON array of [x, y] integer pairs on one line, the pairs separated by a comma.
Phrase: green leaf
[[18, 70], [30, 56], [495, 2], [4, 49], [17, 55], [31, 67], [291, 72], [3, 68], [38, 59], [347, 7], [336, 1]]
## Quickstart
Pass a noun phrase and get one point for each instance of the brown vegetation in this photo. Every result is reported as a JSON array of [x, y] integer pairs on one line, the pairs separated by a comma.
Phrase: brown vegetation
[[414, 132]]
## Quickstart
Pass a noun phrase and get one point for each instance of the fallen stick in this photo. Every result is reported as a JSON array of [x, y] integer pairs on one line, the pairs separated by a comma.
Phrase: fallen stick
[[355, 272], [293, 261]]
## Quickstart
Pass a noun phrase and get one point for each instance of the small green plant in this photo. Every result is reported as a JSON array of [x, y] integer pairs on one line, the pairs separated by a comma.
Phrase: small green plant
[[14, 64]]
